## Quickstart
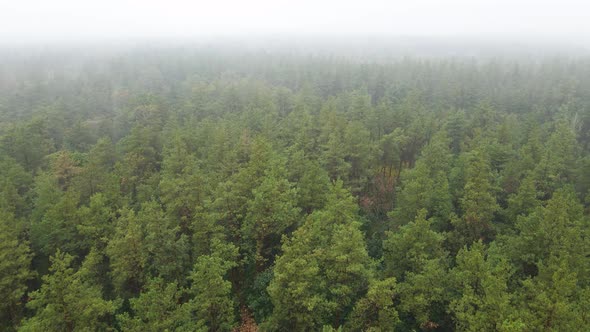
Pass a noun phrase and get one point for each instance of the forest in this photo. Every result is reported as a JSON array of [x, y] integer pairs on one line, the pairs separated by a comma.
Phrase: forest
[[200, 189]]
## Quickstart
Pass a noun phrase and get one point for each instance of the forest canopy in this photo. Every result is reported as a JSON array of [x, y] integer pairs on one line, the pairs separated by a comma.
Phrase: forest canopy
[[195, 189]]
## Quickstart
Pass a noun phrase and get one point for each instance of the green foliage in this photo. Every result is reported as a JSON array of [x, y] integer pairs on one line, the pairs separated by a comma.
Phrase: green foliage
[[558, 161], [175, 189], [167, 248], [323, 270], [456, 129], [376, 311], [15, 184], [269, 213], [478, 203], [159, 308], [414, 254], [57, 228], [28, 143], [96, 176], [484, 303], [258, 299], [97, 222], [312, 181], [558, 229], [551, 300], [15, 271], [410, 247], [525, 201], [426, 186], [211, 301], [128, 259], [67, 301]]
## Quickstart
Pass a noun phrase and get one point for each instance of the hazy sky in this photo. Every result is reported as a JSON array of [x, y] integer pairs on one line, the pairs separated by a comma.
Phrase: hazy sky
[[50, 20]]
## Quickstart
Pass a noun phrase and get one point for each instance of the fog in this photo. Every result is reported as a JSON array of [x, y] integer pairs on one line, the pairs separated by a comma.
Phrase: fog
[[30, 21]]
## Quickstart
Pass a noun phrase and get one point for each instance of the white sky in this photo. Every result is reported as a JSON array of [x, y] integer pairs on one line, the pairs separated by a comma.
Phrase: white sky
[[48, 20]]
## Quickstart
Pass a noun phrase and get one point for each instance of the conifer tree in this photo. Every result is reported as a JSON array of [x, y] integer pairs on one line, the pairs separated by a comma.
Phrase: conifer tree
[[15, 271], [67, 301]]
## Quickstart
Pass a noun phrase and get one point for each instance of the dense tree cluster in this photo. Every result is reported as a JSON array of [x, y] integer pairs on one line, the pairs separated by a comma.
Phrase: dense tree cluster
[[189, 191]]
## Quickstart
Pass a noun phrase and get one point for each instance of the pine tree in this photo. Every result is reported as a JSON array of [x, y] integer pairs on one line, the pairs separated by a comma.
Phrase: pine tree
[[128, 260], [323, 270], [57, 228], [426, 186], [525, 201], [553, 300], [376, 311], [484, 301], [15, 271], [408, 249], [96, 175], [166, 247], [558, 229], [211, 301], [97, 222], [270, 213], [311, 180], [415, 256], [67, 301], [478, 202], [15, 184], [159, 308], [558, 161]]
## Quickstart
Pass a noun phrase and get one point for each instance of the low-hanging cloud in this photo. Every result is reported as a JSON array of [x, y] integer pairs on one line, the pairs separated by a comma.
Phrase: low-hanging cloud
[[29, 20]]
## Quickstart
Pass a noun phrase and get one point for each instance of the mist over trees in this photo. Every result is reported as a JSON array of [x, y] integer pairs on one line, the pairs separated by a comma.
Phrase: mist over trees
[[207, 189]]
